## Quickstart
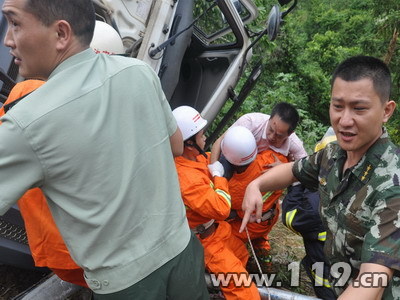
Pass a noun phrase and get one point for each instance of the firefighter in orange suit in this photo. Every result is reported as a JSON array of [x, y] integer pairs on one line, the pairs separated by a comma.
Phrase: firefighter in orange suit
[[45, 241], [240, 150], [208, 204]]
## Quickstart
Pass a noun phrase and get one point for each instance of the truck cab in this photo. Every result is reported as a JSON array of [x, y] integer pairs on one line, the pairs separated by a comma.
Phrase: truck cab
[[196, 47]]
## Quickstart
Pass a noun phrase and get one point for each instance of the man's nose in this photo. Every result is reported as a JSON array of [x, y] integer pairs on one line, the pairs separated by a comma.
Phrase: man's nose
[[346, 118], [9, 39]]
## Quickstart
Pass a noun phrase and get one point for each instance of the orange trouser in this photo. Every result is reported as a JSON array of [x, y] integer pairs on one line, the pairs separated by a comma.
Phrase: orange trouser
[[258, 232], [224, 253]]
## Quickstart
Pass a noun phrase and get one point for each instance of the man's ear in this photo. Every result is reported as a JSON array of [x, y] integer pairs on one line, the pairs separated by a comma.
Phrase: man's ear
[[64, 34], [388, 111]]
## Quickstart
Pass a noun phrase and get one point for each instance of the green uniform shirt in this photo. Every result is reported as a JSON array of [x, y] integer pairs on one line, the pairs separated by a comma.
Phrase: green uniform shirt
[[361, 208], [95, 139]]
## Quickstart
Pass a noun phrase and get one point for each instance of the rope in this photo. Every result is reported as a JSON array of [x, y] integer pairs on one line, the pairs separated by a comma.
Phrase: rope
[[258, 264]]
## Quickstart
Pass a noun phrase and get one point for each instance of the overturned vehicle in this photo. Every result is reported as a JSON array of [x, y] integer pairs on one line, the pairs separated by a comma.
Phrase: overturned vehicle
[[199, 49]]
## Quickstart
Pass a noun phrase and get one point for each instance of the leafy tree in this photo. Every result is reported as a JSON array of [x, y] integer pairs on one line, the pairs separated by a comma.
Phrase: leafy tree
[[315, 37]]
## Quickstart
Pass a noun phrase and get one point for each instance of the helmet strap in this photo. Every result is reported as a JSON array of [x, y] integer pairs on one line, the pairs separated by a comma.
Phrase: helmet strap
[[197, 147]]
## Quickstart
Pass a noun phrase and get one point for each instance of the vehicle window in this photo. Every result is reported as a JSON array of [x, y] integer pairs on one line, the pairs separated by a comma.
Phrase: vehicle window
[[212, 28]]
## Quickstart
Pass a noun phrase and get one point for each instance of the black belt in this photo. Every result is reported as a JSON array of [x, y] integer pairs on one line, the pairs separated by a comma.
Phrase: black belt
[[209, 231], [206, 232]]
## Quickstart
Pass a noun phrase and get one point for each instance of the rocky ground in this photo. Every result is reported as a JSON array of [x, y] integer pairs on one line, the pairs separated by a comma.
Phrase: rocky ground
[[286, 248]]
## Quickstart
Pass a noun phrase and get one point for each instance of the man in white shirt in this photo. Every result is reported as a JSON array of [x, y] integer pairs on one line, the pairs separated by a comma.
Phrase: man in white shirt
[[275, 131]]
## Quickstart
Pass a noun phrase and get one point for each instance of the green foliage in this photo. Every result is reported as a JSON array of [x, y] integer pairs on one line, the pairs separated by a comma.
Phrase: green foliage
[[309, 131], [315, 37], [393, 127]]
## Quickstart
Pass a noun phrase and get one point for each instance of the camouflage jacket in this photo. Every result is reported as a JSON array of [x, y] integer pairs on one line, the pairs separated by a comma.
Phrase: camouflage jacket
[[360, 207]]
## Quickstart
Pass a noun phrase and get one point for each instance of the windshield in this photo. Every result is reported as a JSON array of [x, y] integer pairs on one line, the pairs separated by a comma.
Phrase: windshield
[[212, 27]]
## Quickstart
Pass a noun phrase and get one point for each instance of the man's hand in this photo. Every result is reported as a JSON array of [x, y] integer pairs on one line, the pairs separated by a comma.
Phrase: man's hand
[[252, 201], [274, 164], [276, 179]]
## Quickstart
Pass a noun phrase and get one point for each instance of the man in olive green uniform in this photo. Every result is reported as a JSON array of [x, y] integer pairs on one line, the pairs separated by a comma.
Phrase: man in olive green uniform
[[358, 183]]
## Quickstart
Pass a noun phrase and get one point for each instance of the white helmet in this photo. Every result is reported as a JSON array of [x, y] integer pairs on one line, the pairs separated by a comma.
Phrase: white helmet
[[239, 146], [189, 121], [106, 39]]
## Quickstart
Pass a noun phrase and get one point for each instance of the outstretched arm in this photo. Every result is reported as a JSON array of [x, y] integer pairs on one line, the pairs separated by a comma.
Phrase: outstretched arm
[[277, 178]]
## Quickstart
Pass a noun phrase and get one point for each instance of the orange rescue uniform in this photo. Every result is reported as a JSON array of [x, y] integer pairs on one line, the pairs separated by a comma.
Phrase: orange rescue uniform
[[205, 200], [45, 242], [258, 232]]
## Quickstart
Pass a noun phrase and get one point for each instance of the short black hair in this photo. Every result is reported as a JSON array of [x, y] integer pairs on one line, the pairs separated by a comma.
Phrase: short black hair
[[80, 14], [288, 114], [360, 67]]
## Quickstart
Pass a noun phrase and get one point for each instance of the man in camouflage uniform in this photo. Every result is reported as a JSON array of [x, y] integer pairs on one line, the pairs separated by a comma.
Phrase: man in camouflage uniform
[[357, 206], [358, 183]]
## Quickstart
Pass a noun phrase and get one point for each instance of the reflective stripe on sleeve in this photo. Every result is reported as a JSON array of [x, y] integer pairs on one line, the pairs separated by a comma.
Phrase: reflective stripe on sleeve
[[225, 195], [266, 195]]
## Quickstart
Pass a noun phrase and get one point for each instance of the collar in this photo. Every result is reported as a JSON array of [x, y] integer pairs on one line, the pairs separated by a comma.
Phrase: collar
[[72, 60], [200, 163]]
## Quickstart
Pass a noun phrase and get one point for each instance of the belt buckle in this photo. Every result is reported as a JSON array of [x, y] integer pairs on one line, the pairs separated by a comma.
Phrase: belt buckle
[[268, 214]]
